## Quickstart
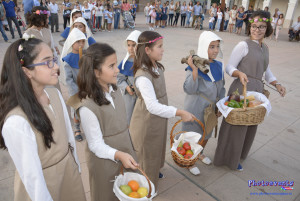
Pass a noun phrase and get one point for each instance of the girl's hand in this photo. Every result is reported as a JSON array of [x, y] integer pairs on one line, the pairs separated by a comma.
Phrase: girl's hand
[[129, 90], [281, 90], [185, 116], [243, 77], [126, 159], [219, 114], [57, 50], [191, 63]]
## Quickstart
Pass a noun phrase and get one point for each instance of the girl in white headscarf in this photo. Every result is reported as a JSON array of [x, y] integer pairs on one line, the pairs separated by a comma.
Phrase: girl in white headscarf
[[125, 77], [204, 89], [74, 15], [70, 57], [80, 23]]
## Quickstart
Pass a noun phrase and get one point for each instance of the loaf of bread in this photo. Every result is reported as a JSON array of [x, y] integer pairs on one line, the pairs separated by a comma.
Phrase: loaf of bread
[[254, 103]]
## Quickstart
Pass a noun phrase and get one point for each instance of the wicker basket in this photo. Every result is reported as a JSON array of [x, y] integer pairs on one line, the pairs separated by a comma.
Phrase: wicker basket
[[182, 162], [246, 116]]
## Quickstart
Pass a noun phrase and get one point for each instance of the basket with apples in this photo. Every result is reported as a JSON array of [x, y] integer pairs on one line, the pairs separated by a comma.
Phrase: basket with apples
[[130, 186], [186, 149]]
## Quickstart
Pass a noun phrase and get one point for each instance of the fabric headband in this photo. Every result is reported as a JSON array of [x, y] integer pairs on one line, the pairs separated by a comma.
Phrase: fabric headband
[[152, 41], [260, 20], [39, 12]]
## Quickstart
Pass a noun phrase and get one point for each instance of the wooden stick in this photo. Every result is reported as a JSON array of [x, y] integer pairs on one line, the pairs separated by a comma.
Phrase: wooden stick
[[80, 52]]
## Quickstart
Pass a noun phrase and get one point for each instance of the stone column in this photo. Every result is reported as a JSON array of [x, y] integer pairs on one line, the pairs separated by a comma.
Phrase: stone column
[[245, 4], [208, 4], [292, 5], [227, 2], [267, 3]]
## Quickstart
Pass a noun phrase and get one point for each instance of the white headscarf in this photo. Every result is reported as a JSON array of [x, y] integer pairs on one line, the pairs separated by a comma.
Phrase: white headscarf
[[83, 21], [75, 35], [133, 36], [204, 40], [71, 15]]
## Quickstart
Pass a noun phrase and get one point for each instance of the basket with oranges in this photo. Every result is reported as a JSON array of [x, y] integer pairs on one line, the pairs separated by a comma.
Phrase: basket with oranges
[[131, 186]]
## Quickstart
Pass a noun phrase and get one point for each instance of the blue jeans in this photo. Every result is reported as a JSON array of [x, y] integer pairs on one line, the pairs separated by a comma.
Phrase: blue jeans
[[211, 26], [219, 24], [216, 19], [188, 18], [116, 20], [14, 19], [3, 31], [225, 24], [99, 22]]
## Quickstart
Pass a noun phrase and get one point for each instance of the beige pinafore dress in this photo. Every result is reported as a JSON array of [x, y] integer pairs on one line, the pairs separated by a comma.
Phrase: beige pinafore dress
[[148, 131], [114, 127], [234, 142], [59, 167]]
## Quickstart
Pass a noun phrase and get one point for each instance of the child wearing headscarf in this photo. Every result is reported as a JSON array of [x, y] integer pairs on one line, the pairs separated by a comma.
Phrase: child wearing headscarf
[[203, 90], [81, 24], [70, 57], [125, 76]]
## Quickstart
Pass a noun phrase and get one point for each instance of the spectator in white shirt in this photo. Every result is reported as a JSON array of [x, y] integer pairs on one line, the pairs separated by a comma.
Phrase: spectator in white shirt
[[295, 30], [53, 7], [220, 16]]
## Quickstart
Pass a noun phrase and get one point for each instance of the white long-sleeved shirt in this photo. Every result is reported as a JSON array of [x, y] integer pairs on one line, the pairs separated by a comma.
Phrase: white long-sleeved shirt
[[22, 147], [93, 133], [240, 51], [153, 106]]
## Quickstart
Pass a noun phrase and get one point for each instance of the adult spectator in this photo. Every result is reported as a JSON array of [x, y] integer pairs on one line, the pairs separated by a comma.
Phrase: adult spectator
[[213, 10], [240, 16], [10, 8], [267, 11], [87, 14], [125, 6], [67, 8], [183, 11], [294, 30], [117, 12], [197, 11], [27, 6], [53, 7], [2, 17], [171, 12], [248, 13]]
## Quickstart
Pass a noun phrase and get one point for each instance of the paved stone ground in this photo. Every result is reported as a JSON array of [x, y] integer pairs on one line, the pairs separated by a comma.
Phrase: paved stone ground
[[274, 156]]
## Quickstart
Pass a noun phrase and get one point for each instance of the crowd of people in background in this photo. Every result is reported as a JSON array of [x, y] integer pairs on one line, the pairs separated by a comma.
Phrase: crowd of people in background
[[106, 15]]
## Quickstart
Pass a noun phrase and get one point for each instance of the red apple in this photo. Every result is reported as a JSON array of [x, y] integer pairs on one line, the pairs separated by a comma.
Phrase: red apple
[[188, 156], [181, 150], [186, 146]]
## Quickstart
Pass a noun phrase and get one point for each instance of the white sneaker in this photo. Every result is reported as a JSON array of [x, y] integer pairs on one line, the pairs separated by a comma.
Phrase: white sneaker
[[206, 160], [195, 171]]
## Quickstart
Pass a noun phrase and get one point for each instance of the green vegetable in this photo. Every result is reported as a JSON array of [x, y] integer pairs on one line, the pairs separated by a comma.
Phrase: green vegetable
[[242, 103], [234, 104]]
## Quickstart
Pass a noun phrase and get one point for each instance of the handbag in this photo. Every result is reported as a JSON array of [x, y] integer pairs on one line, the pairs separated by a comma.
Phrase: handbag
[[210, 117]]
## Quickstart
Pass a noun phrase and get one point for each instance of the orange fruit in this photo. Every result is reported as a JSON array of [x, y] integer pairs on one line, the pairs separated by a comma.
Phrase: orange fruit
[[134, 185], [134, 195]]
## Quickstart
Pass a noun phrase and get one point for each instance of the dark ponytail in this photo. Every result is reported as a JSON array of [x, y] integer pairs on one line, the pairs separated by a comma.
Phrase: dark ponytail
[[16, 89]]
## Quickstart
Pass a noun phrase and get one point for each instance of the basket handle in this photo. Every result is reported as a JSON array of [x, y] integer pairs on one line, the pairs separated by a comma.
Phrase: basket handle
[[244, 94], [144, 174], [173, 135]]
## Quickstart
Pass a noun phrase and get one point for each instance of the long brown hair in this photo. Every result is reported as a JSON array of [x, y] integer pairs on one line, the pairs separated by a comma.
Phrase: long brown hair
[[91, 60], [16, 89], [142, 60]]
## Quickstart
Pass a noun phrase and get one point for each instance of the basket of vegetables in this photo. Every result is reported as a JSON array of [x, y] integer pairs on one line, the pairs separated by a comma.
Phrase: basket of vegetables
[[247, 110], [186, 150]]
